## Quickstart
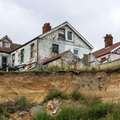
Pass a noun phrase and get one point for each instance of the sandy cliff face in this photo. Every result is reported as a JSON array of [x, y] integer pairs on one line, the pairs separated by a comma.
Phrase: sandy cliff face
[[35, 86]]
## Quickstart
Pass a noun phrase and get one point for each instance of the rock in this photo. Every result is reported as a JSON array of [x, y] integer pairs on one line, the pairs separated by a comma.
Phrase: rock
[[53, 107], [34, 110]]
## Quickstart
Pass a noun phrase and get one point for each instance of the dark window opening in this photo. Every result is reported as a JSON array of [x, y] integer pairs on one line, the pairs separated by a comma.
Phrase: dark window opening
[[22, 56], [103, 59], [13, 59], [76, 52], [4, 62], [61, 36], [55, 48]]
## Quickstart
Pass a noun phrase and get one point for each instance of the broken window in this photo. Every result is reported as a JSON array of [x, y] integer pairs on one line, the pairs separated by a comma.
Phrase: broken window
[[61, 36], [32, 50], [22, 56], [55, 48], [69, 35]]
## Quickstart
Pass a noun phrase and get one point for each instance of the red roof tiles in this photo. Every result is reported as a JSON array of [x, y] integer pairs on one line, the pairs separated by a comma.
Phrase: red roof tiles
[[106, 50]]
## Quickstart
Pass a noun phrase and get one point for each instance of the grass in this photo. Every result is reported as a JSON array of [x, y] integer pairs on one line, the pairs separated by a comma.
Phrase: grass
[[90, 110], [22, 104], [42, 116], [99, 111], [54, 93], [76, 95]]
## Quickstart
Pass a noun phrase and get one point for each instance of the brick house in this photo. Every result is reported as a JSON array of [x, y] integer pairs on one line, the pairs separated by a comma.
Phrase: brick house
[[110, 52]]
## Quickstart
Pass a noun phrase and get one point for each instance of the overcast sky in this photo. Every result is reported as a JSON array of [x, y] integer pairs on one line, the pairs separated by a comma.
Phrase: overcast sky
[[22, 20]]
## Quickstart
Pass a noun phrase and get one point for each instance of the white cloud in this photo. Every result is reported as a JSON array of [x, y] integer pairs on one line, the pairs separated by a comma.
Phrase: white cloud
[[23, 19]]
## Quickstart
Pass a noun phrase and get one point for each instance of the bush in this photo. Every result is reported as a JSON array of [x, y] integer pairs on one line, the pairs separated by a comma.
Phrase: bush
[[99, 110], [22, 104], [75, 95], [55, 94], [4, 115], [68, 114]]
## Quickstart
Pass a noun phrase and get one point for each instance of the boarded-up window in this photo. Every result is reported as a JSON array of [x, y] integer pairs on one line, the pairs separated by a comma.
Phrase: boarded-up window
[[32, 46]]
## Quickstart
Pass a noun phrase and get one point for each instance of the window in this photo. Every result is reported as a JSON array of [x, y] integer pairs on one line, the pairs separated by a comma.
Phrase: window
[[55, 48], [22, 56], [32, 50], [76, 52], [13, 59], [69, 35], [61, 36], [6, 44], [103, 59]]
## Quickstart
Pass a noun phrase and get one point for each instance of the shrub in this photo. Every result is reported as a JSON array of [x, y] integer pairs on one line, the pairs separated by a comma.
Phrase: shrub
[[4, 115], [55, 94], [99, 110], [22, 104], [68, 114], [75, 95]]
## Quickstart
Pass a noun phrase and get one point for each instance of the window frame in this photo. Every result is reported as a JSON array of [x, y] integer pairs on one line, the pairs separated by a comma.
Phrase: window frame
[[22, 55], [69, 35], [32, 46], [55, 48], [13, 59], [77, 52]]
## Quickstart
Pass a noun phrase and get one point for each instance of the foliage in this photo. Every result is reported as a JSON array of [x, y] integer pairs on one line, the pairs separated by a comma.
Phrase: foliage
[[55, 94], [76, 95], [42, 116], [22, 104]]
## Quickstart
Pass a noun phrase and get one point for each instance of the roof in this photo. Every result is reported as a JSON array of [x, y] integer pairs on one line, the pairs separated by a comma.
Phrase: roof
[[56, 57], [56, 28], [12, 47], [106, 50]]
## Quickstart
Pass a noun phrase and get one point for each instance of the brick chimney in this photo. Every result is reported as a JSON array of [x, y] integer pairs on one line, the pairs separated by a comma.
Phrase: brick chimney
[[46, 28], [108, 39]]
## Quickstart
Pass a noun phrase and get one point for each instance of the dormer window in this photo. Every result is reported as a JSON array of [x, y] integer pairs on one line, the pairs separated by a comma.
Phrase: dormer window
[[61, 34], [69, 35], [6, 44]]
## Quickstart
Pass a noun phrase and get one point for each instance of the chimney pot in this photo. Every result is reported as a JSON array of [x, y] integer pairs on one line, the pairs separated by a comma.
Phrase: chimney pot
[[46, 27], [108, 39]]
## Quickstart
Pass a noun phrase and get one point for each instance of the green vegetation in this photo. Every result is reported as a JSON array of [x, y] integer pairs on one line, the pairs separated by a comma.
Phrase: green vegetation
[[55, 94], [90, 109], [22, 104], [42, 116], [76, 95]]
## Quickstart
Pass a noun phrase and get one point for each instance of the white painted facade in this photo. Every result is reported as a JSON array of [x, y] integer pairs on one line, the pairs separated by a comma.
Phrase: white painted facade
[[43, 46], [27, 59]]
